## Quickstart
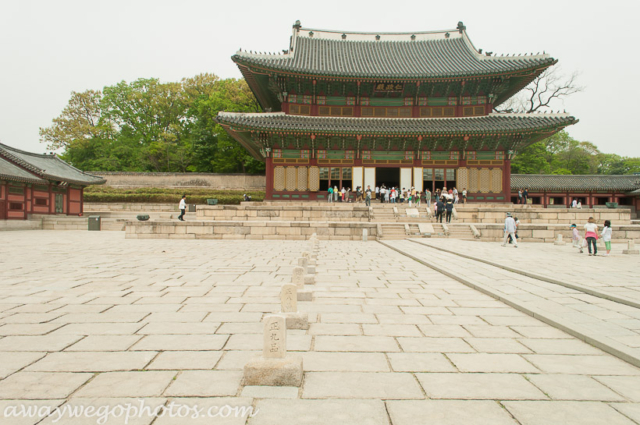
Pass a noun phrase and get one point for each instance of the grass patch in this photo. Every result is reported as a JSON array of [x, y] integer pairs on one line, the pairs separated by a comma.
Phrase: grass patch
[[154, 195]]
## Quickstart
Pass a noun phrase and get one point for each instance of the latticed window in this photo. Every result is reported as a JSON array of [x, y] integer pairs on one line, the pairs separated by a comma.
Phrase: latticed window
[[349, 154], [471, 155], [277, 153], [335, 174], [366, 154], [454, 155], [304, 154], [499, 154], [427, 174], [408, 154], [346, 173], [322, 154], [324, 173]]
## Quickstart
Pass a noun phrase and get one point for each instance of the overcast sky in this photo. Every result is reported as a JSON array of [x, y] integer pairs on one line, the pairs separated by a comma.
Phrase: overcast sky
[[50, 48]]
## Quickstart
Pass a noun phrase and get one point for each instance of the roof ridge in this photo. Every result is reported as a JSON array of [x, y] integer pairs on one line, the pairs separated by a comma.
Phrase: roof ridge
[[11, 148]]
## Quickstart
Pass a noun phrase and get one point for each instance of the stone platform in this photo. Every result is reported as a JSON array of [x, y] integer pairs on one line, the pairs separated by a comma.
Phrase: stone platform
[[99, 320]]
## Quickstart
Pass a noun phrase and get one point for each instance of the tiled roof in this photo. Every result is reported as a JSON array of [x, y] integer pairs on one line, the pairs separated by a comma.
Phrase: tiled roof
[[438, 54], [575, 182], [12, 172], [48, 166], [490, 124]]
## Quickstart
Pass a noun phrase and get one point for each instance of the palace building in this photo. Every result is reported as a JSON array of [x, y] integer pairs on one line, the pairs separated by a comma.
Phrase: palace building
[[401, 109], [32, 183]]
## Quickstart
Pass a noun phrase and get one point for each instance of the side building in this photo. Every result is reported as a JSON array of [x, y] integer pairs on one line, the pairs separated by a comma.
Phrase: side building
[[39, 184], [401, 109]]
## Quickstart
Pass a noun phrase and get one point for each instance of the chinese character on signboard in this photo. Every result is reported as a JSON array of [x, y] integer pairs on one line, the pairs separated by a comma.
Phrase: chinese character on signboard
[[388, 87]]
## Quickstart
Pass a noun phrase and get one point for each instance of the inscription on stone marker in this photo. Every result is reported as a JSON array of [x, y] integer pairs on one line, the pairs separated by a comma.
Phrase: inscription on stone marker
[[275, 337], [289, 298]]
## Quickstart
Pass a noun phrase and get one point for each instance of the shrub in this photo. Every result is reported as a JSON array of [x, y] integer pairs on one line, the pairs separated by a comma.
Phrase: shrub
[[166, 196]]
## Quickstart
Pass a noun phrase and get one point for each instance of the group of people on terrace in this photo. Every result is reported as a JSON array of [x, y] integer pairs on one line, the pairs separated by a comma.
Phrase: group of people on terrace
[[589, 239]]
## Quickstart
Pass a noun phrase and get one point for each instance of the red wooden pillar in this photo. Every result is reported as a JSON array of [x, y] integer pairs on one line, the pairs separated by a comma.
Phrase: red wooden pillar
[[269, 177]]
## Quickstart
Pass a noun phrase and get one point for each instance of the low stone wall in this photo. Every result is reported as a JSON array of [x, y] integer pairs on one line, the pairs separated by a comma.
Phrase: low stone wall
[[467, 214], [246, 182], [549, 232], [264, 230], [258, 212], [31, 224]]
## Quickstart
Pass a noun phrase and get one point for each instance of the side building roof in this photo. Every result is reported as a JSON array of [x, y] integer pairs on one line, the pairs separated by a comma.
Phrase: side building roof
[[10, 171], [46, 167], [550, 182]]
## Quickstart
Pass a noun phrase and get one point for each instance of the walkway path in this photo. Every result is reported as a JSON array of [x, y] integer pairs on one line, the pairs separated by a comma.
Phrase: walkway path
[[89, 318]]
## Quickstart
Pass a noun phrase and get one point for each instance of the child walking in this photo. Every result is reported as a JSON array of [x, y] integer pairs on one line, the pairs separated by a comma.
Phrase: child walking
[[606, 236], [575, 238]]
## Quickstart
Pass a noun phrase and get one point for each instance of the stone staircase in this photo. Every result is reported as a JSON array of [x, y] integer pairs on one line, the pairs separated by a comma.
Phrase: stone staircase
[[393, 231], [460, 231]]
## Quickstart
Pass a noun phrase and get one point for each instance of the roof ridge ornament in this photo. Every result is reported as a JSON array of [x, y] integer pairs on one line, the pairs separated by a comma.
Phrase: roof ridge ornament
[[461, 27]]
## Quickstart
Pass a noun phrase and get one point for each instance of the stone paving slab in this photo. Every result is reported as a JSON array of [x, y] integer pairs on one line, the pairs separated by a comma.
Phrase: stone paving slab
[[391, 341]]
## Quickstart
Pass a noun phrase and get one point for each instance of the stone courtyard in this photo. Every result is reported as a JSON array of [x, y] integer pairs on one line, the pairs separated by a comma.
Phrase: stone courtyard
[[400, 332]]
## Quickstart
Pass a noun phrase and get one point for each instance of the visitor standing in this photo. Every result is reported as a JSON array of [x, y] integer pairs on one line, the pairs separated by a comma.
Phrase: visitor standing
[[427, 197], [344, 193], [606, 236], [386, 195], [519, 196], [439, 210], [367, 198], [464, 196], [449, 209], [525, 195], [574, 203], [510, 230], [183, 207], [591, 235], [575, 238], [455, 195], [335, 193], [418, 199], [330, 194], [517, 225]]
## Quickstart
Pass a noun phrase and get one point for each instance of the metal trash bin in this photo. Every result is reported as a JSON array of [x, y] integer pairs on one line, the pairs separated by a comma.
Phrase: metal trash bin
[[95, 222], [192, 207]]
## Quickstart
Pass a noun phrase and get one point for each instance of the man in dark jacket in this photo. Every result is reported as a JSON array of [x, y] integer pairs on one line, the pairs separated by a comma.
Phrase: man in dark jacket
[[449, 208], [439, 210]]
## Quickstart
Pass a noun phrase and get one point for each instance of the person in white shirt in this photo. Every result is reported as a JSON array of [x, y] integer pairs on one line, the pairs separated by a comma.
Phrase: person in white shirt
[[510, 230], [183, 207], [574, 203]]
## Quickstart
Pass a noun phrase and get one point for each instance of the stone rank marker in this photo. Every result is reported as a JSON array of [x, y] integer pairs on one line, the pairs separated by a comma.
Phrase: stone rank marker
[[631, 249], [297, 278], [289, 301], [274, 367], [289, 298], [309, 278], [275, 337]]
